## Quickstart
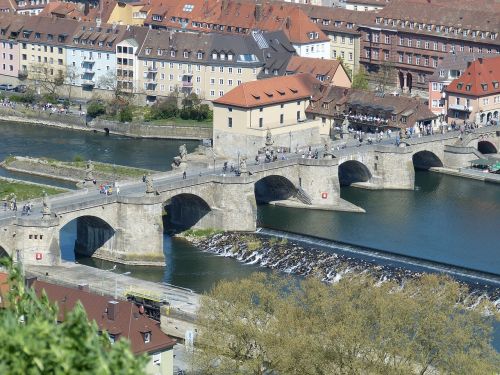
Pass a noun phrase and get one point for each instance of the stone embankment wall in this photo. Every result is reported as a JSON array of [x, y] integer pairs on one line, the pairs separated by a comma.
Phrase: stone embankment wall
[[135, 130]]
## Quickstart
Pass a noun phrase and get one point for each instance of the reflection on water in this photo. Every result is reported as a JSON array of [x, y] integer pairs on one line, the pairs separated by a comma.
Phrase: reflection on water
[[186, 266]]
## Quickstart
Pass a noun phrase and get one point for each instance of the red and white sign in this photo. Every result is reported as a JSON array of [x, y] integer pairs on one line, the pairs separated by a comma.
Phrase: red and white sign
[[324, 195], [38, 256]]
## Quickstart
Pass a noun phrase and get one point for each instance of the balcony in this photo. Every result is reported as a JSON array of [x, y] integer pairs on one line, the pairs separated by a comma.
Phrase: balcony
[[187, 83], [460, 107], [150, 88], [152, 69], [88, 71], [88, 59]]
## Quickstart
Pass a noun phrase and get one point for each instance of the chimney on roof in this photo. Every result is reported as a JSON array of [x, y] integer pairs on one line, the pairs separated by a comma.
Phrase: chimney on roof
[[112, 310], [258, 12], [469, 63], [288, 23], [480, 59], [86, 9]]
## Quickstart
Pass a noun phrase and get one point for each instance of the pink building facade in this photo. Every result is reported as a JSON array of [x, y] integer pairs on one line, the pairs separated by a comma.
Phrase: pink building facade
[[9, 58]]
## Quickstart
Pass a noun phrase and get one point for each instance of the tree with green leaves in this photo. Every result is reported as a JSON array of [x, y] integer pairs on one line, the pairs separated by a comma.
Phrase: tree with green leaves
[[360, 80], [355, 326], [33, 342]]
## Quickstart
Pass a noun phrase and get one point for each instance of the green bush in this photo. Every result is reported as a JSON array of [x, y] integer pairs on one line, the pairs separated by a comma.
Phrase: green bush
[[49, 98], [96, 109], [78, 158], [125, 115]]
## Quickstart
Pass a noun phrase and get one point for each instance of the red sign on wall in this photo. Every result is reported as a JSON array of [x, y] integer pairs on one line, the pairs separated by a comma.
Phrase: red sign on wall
[[324, 195], [38, 256]]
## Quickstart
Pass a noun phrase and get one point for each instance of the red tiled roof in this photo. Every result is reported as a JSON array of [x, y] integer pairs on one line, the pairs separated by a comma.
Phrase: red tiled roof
[[242, 14], [271, 91], [128, 322], [481, 78], [317, 67]]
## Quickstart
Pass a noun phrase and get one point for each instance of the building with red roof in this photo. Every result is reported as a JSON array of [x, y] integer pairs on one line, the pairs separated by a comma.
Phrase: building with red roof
[[255, 113], [120, 319], [475, 95]]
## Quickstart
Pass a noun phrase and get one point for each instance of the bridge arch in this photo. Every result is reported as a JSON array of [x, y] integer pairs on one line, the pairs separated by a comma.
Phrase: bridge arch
[[352, 171], [4, 252], [184, 210], [274, 188], [89, 234], [486, 147], [424, 160]]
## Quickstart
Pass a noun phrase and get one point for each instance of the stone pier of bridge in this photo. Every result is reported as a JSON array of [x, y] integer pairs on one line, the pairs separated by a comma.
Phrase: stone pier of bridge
[[129, 228]]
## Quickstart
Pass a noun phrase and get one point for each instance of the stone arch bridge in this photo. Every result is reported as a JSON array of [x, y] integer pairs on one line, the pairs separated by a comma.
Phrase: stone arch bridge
[[129, 228]]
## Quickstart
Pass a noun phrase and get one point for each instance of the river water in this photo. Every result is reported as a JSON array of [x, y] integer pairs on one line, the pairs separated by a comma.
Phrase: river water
[[445, 219]]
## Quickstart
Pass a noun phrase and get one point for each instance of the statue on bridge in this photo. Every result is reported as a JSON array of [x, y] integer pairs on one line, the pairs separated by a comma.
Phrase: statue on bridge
[[149, 184], [243, 165], [89, 171], [45, 206], [345, 125], [180, 160], [269, 138]]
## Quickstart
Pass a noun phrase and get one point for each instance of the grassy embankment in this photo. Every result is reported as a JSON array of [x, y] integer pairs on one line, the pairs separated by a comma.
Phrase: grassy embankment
[[105, 168], [24, 191]]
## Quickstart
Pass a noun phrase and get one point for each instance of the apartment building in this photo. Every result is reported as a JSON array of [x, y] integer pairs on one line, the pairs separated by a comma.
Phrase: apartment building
[[475, 95], [209, 65], [410, 38], [450, 67], [340, 25], [365, 5], [7, 6], [42, 49], [30, 7], [268, 108], [9, 47], [91, 56]]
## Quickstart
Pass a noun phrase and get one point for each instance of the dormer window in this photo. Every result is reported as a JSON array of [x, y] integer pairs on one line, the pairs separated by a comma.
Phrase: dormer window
[[484, 86], [468, 87], [460, 85], [437, 29], [50, 37], [147, 337], [222, 56], [148, 51], [157, 17], [230, 57], [495, 84], [159, 52], [214, 55], [200, 55], [378, 20], [101, 44], [172, 53], [186, 54]]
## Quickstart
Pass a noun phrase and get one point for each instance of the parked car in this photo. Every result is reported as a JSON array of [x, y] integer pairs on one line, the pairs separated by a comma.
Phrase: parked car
[[6, 87], [20, 88]]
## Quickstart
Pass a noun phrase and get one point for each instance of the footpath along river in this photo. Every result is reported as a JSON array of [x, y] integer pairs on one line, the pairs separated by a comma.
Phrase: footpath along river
[[445, 219]]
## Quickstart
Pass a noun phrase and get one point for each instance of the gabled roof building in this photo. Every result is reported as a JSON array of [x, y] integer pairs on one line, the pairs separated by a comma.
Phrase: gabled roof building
[[120, 319], [247, 116], [475, 95]]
